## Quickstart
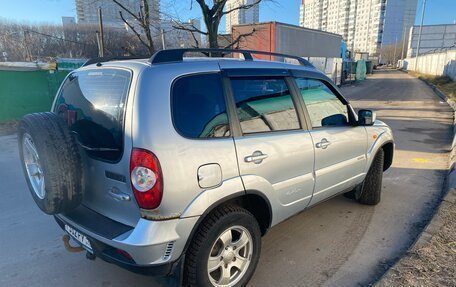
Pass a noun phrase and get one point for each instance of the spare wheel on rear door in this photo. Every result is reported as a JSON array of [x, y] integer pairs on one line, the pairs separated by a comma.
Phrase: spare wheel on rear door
[[51, 162]]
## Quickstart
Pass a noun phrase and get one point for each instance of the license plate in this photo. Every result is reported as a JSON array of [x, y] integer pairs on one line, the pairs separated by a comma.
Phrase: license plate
[[79, 237]]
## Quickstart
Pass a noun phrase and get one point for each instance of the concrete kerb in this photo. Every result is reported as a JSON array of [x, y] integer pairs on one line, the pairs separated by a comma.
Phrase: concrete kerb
[[449, 193]]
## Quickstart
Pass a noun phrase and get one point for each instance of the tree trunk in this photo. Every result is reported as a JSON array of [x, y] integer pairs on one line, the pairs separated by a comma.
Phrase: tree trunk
[[147, 27], [212, 24]]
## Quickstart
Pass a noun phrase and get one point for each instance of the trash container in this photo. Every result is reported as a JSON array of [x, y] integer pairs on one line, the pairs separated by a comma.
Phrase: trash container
[[369, 67], [360, 70]]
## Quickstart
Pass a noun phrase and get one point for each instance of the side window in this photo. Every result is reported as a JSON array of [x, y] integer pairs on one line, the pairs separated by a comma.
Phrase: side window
[[264, 104], [324, 108], [198, 107]]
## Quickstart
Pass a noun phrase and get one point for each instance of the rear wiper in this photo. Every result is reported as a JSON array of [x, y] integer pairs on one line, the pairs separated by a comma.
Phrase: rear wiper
[[97, 148], [89, 148]]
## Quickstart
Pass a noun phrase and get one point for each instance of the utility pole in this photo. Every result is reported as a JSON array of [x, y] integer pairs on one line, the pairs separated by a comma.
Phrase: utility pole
[[419, 35], [163, 38], [101, 40], [395, 48], [27, 48], [404, 34], [404, 39]]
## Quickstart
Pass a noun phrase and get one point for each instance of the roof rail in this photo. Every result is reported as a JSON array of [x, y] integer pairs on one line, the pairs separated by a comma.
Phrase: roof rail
[[100, 60], [177, 55]]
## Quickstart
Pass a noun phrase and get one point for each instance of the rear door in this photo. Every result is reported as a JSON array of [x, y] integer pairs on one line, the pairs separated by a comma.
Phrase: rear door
[[275, 154], [340, 145], [93, 103]]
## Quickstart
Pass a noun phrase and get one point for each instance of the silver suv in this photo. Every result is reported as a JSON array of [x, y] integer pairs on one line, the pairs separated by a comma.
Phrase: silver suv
[[178, 165]]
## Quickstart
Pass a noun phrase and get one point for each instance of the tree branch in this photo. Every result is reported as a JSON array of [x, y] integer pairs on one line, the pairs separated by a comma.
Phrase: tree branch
[[196, 41], [133, 29], [190, 27], [218, 7], [242, 7], [127, 10], [203, 6], [239, 38]]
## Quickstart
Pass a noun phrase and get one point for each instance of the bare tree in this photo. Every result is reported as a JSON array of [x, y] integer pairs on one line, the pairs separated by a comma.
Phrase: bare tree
[[44, 42], [390, 54], [212, 15], [143, 19]]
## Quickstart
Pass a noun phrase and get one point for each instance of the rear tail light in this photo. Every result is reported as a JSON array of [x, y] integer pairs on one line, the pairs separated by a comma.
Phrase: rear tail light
[[146, 178]]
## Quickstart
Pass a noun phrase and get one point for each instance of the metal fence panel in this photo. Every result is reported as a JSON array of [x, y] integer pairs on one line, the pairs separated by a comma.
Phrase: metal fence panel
[[438, 64], [23, 92]]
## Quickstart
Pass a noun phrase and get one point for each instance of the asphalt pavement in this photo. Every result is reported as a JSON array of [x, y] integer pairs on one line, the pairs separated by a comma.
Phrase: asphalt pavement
[[337, 243]]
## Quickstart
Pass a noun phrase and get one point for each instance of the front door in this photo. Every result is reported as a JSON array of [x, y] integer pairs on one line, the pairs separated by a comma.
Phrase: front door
[[340, 145], [275, 155]]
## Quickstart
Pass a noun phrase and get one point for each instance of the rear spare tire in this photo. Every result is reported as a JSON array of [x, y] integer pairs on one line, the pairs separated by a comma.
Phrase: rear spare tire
[[51, 162]]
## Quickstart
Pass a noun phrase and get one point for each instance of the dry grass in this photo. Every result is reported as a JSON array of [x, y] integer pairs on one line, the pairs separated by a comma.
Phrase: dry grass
[[443, 83], [434, 264]]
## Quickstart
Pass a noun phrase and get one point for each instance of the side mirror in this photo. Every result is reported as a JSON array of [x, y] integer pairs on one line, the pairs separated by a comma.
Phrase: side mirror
[[366, 117]]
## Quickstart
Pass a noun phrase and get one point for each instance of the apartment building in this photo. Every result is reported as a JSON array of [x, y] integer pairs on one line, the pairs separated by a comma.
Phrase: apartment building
[[399, 18], [365, 25], [241, 16], [87, 12]]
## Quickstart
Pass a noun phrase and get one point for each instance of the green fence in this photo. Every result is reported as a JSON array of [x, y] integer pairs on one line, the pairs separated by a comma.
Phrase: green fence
[[23, 92]]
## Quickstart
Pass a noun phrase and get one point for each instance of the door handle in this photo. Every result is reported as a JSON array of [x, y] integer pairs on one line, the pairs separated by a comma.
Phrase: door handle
[[323, 144], [257, 157], [115, 193]]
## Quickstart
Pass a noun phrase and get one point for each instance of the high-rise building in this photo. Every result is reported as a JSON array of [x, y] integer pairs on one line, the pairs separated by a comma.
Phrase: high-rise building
[[365, 25], [241, 16], [69, 25], [399, 18], [87, 12], [68, 21]]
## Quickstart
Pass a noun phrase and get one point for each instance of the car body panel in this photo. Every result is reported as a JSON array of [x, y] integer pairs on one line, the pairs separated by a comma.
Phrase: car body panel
[[180, 158], [342, 163], [293, 176], [103, 178], [288, 169], [148, 241]]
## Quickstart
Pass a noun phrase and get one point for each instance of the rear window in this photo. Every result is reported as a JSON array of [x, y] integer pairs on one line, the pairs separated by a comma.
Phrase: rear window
[[93, 105], [198, 106]]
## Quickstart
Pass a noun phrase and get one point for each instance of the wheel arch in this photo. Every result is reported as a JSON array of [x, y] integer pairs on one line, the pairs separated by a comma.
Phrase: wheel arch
[[254, 201], [388, 149]]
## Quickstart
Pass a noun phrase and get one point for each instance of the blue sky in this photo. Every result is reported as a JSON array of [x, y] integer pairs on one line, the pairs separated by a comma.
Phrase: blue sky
[[437, 11]]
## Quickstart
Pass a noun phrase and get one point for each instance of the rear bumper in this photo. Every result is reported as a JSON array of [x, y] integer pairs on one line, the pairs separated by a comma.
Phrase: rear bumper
[[109, 254], [152, 247]]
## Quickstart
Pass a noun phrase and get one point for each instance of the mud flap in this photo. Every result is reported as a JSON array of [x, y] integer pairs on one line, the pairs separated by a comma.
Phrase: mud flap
[[176, 276]]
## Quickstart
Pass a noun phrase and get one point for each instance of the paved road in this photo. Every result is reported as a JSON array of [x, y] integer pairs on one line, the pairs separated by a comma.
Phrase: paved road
[[337, 243]]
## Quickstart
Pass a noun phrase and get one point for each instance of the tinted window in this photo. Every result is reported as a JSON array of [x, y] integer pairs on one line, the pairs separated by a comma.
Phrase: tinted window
[[264, 104], [93, 104], [324, 108], [199, 109]]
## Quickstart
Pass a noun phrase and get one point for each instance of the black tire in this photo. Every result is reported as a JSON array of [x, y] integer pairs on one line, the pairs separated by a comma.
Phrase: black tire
[[208, 232], [369, 192], [59, 159]]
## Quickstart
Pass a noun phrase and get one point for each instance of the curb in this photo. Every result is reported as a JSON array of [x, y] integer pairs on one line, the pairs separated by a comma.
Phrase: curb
[[448, 194]]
